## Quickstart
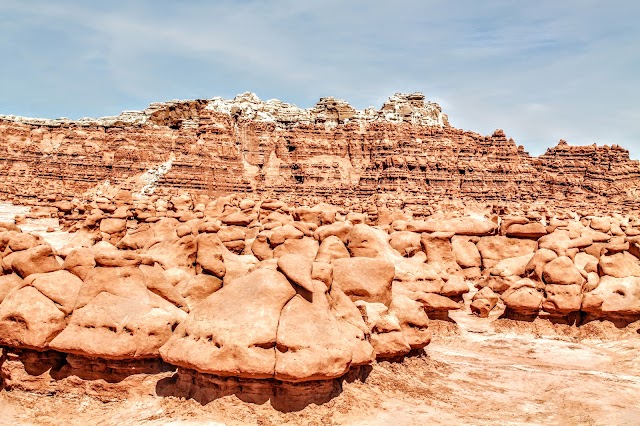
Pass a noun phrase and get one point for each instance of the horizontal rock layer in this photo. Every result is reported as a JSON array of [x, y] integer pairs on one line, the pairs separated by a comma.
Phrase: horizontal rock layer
[[330, 151]]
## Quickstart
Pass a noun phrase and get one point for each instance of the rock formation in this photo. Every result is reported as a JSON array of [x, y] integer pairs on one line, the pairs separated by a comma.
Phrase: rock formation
[[283, 298], [329, 152]]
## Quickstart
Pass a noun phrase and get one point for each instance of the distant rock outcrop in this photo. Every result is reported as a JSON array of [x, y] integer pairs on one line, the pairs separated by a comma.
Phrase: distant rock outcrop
[[328, 152]]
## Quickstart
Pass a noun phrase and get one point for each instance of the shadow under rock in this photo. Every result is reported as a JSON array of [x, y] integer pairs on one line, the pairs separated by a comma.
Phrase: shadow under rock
[[283, 396], [111, 371]]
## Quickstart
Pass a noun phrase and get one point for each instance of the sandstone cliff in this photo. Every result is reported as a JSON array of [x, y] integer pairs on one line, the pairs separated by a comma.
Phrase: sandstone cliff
[[325, 153]]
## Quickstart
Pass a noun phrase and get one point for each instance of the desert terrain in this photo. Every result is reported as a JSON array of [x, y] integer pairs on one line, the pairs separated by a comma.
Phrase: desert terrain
[[251, 262]]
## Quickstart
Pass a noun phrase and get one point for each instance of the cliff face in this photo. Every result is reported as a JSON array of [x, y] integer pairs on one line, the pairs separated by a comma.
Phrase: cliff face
[[329, 151]]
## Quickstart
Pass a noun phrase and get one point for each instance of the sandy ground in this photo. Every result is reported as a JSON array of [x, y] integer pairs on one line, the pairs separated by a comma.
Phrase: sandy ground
[[491, 372], [57, 238]]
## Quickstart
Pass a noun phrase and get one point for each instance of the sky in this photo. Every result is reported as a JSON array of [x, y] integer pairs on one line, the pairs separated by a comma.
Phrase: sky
[[541, 70]]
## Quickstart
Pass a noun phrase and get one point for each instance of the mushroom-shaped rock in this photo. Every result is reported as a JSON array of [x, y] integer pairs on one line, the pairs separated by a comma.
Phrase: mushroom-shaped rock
[[523, 298], [310, 344], [233, 331]]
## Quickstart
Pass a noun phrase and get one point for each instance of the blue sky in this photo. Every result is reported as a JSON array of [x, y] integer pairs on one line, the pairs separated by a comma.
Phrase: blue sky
[[540, 70]]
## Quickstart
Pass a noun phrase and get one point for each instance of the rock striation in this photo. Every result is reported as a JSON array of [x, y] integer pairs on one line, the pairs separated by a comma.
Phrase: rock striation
[[257, 249], [330, 152]]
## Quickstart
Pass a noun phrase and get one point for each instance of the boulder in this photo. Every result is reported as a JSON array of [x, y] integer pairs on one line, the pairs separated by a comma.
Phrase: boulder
[[283, 233], [110, 326], [352, 327], [36, 260], [512, 266], [413, 320], [298, 270], [619, 265], [106, 255], [198, 288], [79, 262], [404, 242], [337, 229], [465, 252], [113, 226], [439, 252], [532, 230], [33, 314], [22, 241], [364, 278], [458, 226], [386, 335], [538, 262], [614, 298], [209, 255], [8, 283], [483, 302], [304, 246], [233, 331], [562, 271], [562, 299], [176, 253], [496, 248], [261, 247], [496, 284], [331, 248], [523, 298], [310, 344]]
